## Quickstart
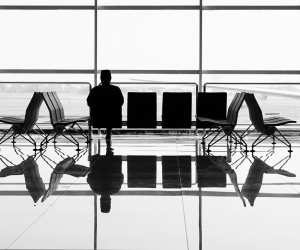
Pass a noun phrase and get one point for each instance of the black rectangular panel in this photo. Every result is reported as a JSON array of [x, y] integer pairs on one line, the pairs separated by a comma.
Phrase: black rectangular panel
[[141, 110], [141, 171], [176, 171], [177, 110], [211, 105]]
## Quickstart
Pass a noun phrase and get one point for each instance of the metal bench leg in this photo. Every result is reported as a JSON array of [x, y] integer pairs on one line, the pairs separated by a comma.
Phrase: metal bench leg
[[3, 139], [259, 140], [283, 140]]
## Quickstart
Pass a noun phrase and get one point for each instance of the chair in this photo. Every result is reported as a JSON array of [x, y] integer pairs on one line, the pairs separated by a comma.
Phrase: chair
[[217, 126], [141, 110], [177, 110], [59, 122], [141, 171], [266, 127], [211, 105], [22, 127]]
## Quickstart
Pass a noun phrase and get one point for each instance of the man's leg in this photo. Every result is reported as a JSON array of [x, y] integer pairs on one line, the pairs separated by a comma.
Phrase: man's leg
[[108, 140]]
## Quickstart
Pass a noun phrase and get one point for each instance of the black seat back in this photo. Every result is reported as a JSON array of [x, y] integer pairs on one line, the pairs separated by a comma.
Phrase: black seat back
[[234, 108], [58, 104], [255, 113], [141, 171], [54, 110], [141, 110], [32, 111], [177, 110], [211, 105]]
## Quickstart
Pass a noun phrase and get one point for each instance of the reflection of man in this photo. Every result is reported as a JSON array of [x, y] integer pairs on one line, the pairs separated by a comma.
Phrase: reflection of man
[[105, 102], [105, 178]]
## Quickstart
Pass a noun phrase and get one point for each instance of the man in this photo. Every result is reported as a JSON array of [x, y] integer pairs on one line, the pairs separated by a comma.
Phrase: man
[[105, 102]]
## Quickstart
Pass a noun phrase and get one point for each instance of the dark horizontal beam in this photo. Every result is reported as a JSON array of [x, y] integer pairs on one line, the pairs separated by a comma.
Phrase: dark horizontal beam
[[153, 193], [251, 72], [197, 7], [150, 7], [46, 7], [253, 7], [46, 71], [149, 72], [155, 71]]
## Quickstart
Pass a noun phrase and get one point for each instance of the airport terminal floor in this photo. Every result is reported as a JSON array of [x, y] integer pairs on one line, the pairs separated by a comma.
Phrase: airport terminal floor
[[157, 192]]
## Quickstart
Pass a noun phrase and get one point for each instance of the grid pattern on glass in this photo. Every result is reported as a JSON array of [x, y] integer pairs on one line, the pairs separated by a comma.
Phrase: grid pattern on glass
[[52, 39], [148, 40], [250, 40]]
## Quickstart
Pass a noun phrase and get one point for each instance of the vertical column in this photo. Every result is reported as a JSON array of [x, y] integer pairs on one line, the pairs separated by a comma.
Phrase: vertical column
[[199, 199], [200, 45], [200, 219], [95, 83], [95, 222], [95, 41]]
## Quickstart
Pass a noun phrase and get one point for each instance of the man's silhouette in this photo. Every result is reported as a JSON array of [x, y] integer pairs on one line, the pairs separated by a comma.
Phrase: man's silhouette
[[105, 102], [105, 177]]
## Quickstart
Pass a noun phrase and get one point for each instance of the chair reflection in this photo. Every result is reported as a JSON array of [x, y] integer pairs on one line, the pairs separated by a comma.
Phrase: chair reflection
[[254, 179], [66, 166], [27, 167], [176, 171], [141, 171], [168, 174]]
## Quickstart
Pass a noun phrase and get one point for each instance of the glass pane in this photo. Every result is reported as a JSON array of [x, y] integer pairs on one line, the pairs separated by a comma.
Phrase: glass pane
[[148, 40], [15, 98], [51, 225], [150, 2], [275, 94], [136, 221], [250, 2], [46, 39], [47, 2], [250, 40]]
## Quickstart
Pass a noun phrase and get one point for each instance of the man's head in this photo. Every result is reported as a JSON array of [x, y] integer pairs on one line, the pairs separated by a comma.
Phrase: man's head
[[105, 76], [105, 203]]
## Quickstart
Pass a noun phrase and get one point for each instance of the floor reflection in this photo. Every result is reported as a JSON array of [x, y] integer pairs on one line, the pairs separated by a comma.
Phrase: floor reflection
[[174, 170]]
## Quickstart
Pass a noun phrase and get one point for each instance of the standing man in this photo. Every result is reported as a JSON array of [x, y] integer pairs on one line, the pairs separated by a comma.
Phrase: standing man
[[105, 102]]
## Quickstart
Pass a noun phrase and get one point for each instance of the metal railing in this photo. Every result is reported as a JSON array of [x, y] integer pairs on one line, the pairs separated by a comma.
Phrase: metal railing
[[247, 83]]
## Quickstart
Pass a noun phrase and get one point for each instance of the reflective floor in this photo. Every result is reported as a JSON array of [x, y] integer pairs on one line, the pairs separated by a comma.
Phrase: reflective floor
[[149, 192]]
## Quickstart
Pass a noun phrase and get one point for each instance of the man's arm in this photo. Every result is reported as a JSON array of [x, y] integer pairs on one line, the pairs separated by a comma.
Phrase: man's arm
[[119, 95], [121, 98], [90, 97]]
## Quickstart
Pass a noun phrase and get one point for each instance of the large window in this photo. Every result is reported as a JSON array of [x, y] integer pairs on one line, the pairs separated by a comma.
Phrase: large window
[[154, 41]]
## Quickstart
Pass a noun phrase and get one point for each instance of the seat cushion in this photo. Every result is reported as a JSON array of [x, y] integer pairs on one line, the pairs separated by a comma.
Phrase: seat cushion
[[11, 120], [277, 121], [214, 122]]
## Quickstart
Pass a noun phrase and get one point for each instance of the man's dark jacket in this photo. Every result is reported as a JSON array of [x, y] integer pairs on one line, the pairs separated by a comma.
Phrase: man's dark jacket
[[105, 102]]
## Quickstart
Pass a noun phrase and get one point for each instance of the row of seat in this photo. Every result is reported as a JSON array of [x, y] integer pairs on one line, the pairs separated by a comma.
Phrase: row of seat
[[142, 113], [211, 113], [23, 126], [266, 127], [176, 109]]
